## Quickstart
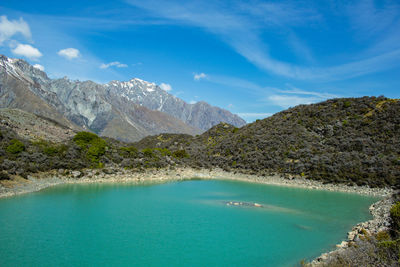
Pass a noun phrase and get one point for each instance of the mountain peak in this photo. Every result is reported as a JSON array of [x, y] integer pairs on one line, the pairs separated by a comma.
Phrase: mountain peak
[[200, 115]]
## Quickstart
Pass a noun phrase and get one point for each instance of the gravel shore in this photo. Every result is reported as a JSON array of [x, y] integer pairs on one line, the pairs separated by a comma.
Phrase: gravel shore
[[39, 181]]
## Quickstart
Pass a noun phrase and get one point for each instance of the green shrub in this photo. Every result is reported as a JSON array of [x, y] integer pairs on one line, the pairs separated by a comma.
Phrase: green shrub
[[50, 149], [392, 245], [83, 139], [15, 146], [96, 149], [55, 150], [129, 151], [346, 104], [148, 153], [164, 151], [4, 176], [180, 154], [395, 215], [94, 146], [382, 236]]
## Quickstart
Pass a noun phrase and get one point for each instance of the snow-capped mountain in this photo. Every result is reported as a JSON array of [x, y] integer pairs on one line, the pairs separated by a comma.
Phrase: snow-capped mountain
[[200, 115], [124, 110]]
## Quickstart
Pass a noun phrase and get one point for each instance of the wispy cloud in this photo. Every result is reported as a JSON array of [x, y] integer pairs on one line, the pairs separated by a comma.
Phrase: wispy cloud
[[254, 115], [69, 53], [234, 21], [199, 76], [287, 101], [27, 51], [298, 91], [10, 28], [369, 19], [288, 97], [115, 63], [295, 96]]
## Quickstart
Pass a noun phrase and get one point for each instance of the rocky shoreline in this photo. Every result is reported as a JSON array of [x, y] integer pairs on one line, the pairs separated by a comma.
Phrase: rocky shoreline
[[40, 181], [379, 210], [381, 221]]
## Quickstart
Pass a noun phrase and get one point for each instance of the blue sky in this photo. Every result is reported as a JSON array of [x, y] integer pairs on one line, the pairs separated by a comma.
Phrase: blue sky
[[253, 58]]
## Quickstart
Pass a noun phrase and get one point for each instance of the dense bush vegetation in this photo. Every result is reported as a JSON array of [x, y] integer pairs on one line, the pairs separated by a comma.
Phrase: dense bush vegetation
[[352, 141], [85, 150], [15, 146], [395, 216]]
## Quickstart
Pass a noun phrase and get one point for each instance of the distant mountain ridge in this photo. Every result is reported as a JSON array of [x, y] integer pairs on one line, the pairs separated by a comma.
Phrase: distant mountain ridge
[[126, 111], [200, 115]]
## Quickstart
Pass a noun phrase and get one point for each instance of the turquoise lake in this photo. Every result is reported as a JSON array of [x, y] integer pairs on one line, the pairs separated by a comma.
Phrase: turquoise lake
[[174, 224]]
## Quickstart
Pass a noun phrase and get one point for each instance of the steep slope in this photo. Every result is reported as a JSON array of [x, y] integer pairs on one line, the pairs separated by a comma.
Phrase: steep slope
[[32, 127], [84, 104], [200, 115]]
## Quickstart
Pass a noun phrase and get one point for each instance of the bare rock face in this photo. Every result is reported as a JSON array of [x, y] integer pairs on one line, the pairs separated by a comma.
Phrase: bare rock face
[[127, 111], [200, 115]]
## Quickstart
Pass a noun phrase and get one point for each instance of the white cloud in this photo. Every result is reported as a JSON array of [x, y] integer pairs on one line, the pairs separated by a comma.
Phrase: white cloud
[[115, 63], [192, 102], [8, 28], [166, 87], [199, 76], [69, 53], [39, 67], [27, 51]]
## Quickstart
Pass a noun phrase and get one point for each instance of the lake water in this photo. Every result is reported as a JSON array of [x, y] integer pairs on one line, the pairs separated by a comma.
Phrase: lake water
[[174, 224]]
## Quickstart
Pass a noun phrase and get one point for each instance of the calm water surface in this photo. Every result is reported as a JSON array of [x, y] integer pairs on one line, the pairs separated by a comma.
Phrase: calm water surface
[[174, 224]]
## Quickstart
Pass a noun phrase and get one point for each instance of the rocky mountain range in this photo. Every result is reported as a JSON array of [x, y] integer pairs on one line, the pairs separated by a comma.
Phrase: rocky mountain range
[[126, 111], [200, 115]]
